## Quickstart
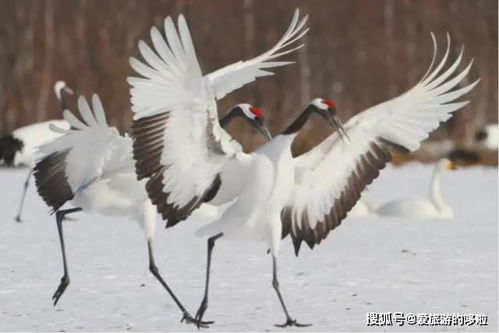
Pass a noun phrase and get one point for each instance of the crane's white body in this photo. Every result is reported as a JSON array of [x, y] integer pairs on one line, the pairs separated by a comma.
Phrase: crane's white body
[[256, 212], [33, 136], [433, 207], [119, 195]]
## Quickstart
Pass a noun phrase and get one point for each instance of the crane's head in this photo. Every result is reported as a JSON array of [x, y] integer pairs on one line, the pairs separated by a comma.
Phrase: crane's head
[[60, 87], [326, 108], [9, 147], [253, 115]]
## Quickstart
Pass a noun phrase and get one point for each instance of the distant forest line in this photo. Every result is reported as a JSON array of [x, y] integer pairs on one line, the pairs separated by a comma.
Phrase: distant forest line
[[358, 53]]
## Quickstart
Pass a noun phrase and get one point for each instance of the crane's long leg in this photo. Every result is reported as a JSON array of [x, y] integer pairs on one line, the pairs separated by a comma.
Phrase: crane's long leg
[[275, 283], [59, 215], [204, 302], [26, 184], [154, 270]]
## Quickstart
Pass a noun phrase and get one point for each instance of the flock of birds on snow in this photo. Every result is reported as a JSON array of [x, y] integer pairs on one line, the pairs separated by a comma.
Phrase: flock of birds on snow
[[179, 158]]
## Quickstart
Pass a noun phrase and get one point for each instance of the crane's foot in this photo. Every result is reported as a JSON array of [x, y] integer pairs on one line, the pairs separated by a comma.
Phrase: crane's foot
[[292, 322], [61, 289], [18, 219], [199, 323], [201, 310]]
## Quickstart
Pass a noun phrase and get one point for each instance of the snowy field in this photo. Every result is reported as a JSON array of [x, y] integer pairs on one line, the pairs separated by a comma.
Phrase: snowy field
[[366, 265]]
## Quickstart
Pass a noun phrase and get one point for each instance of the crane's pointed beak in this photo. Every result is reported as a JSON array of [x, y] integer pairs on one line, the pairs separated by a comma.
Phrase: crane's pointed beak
[[265, 132], [258, 124], [336, 123], [68, 90]]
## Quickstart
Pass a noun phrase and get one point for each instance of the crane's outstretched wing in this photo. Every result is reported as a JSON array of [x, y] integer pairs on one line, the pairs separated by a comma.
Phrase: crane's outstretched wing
[[179, 144], [330, 177], [85, 152], [234, 76]]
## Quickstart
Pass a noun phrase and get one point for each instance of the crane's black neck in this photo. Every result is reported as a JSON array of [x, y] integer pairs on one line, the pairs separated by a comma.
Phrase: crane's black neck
[[227, 118], [62, 102], [300, 121]]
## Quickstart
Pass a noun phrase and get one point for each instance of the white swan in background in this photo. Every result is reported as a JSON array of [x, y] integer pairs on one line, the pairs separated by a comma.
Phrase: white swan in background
[[434, 206]]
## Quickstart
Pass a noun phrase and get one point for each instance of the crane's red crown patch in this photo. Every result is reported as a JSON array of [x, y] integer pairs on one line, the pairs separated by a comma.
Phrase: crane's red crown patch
[[257, 111], [329, 103]]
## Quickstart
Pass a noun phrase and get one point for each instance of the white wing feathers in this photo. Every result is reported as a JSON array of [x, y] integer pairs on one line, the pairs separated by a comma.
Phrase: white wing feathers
[[234, 76], [179, 144], [330, 177], [172, 76], [90, 147], [408, 119]]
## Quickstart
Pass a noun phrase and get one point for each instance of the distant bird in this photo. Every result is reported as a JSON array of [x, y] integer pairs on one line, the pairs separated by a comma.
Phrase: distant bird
[[434, 206], [488, 136], [278, 195], [91, 168], [19, 147]]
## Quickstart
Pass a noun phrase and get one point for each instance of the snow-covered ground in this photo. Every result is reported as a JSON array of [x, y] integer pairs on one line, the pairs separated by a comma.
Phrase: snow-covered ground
[[366, 265]]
